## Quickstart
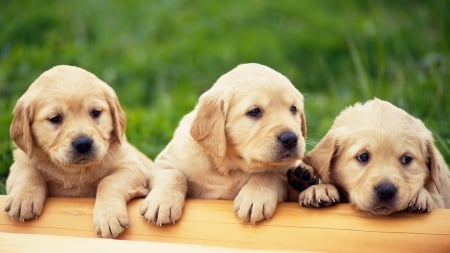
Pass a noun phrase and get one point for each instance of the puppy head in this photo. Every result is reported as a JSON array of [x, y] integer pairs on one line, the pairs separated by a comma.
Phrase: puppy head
[[378, 155], [68, 115], [252, 114]]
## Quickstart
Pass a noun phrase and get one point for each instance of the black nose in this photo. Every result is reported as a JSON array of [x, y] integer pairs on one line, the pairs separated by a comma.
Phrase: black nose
[[385, 191], [288, 140], [82, 145]]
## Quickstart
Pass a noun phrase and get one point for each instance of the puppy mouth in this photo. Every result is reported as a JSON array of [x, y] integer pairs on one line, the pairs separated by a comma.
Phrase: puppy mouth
[[83, 160], [287, 155], [381, 210]]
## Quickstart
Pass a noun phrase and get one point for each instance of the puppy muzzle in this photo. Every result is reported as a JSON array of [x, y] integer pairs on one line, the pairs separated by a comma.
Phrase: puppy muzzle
[[384, 196], [288, 145], [83, 150]]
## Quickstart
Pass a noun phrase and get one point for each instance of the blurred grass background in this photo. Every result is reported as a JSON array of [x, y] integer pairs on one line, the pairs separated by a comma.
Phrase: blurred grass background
[[161, 55]]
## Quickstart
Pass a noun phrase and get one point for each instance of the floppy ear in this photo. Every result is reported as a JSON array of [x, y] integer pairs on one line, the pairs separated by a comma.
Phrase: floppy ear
[[20, 128], [119, 117], [208, 126], [440, 174], [303, 126], [321, 156]]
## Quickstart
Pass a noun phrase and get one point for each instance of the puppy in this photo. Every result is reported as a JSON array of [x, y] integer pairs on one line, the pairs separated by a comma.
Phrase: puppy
[[69, 130], [380, 159], [238, 141]]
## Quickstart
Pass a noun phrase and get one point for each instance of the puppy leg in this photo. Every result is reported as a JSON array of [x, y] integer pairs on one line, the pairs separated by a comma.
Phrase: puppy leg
[[27, 191], [164, 203], [258, 199], [319, 195], [113, 194], [422, 202]]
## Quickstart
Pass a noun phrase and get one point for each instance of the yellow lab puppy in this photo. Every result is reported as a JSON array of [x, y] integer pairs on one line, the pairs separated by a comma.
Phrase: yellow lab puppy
[[381, 159], [238, 142], [69, 129]]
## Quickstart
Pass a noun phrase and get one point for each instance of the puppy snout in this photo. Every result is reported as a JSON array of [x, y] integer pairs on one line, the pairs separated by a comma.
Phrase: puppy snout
[[288, 140], [385, 191], [82, 145]]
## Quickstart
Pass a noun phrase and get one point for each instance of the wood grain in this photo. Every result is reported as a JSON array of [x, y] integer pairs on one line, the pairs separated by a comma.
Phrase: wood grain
[[213, 223]]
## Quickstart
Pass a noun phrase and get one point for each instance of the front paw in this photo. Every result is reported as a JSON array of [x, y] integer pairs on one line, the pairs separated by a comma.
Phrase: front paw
[[422, 202], [255, 205], [319, 195], [163, 206], [301, 177], [110, 220], [25, 205]]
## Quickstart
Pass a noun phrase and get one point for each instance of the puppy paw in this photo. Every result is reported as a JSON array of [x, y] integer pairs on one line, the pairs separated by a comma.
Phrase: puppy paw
[[319, 196], [25, 205], [110, 220], [162, 206], [422, 202], [255, 205], [301, 177]]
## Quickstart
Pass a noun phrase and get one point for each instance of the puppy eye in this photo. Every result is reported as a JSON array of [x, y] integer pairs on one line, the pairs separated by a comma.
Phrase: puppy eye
[[255, 113], [57, 119], [405, 159], [293, 109], [95, 113], [363, 157]]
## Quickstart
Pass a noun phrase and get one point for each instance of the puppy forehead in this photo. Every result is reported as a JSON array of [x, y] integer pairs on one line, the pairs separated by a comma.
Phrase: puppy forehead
[[257, 80], [382, 116], [265, 96], [64, 79]]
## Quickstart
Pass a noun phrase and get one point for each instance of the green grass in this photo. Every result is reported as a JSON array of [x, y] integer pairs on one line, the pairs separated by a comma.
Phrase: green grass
[[160, 55]]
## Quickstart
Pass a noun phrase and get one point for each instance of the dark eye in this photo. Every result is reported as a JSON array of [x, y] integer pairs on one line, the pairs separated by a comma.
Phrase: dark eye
[[95, 113], [405, 159], [56, 119], [293, 109], [255, 113], [363, 157]]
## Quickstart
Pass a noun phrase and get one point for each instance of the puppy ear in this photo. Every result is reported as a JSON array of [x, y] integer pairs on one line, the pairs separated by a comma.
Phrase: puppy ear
[[303, 126], [119, 117], [321, 157], [208, 126], [20, 128], [440, 174]]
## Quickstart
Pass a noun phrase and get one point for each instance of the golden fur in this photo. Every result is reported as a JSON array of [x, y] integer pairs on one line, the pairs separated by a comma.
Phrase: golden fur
[[69, 129], [229, 146], [381, 159]]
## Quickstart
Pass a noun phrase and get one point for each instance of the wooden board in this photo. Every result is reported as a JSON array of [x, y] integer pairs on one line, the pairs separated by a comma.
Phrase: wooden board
[[213, 223]]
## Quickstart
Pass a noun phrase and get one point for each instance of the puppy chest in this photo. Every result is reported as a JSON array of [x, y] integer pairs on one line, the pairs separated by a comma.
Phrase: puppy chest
[[216, 186], [56, 189], [71, 185]]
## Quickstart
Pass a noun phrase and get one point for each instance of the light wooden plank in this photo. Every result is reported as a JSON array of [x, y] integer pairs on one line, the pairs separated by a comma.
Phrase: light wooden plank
[[213, 223], [38, 243]]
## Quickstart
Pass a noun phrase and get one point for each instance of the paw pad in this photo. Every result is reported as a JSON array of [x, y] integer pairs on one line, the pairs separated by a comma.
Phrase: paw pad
[[300, 178]]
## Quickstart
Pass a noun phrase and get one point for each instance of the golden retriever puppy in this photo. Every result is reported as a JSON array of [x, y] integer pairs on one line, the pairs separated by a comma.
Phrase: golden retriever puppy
[[380, 159], [69, 130], [238, 142]]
